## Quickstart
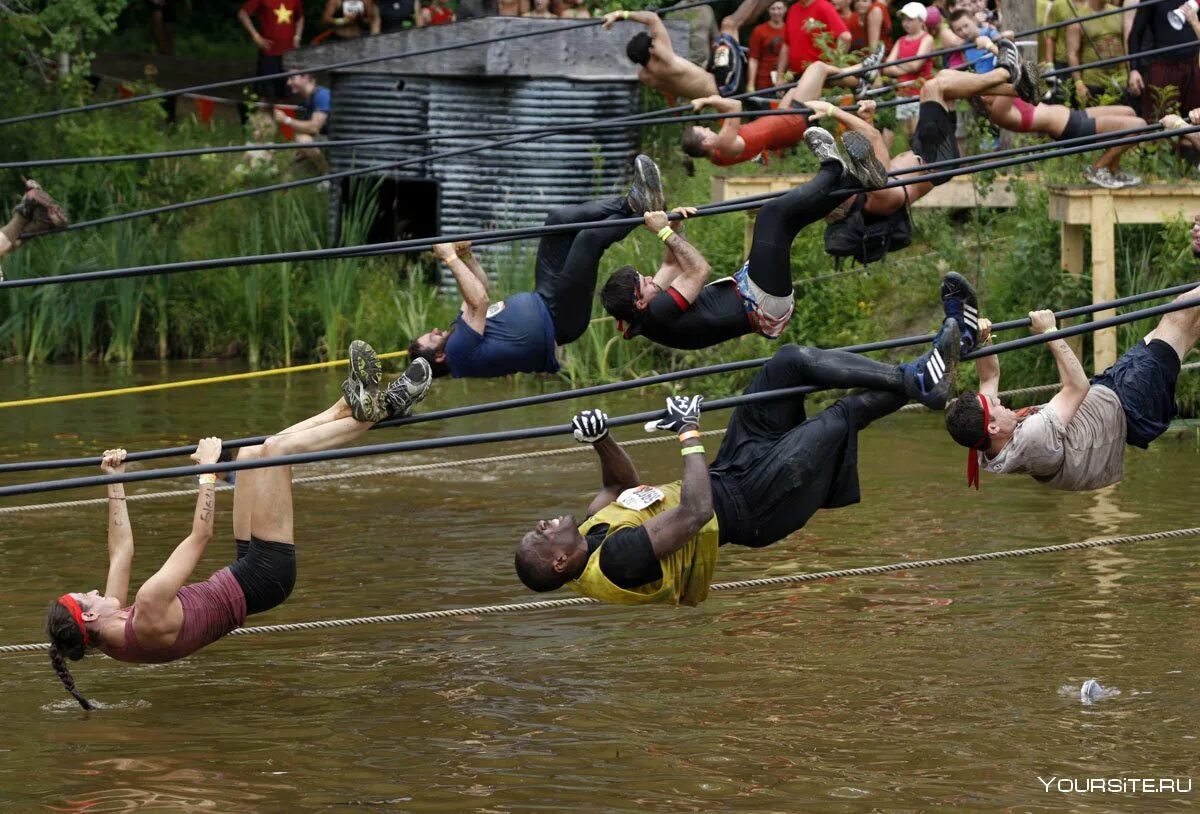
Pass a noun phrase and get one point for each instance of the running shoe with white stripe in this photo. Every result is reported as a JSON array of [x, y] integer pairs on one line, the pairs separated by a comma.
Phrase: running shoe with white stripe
[[961, 305], [408, 389], [1009, 58], [930, 377], [864, 164], [870, 63]]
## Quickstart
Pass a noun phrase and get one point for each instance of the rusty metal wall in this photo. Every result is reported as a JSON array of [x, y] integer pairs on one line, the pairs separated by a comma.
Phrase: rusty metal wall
[[509, 186]]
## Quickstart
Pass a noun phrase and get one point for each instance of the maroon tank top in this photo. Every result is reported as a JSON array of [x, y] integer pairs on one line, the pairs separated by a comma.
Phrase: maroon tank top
[[210, 610]]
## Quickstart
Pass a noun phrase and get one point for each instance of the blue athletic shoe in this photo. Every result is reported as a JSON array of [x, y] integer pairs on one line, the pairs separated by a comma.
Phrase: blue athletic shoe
[[961, 305], [929, 378]]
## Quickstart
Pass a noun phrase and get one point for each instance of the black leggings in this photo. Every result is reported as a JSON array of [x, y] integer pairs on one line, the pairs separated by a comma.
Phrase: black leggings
[[568, 263], [266, 571], [781, 219]]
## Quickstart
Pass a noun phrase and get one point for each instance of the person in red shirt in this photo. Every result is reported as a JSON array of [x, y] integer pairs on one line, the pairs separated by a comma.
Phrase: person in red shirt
[[768, 46], [806, 22], [280, 26]]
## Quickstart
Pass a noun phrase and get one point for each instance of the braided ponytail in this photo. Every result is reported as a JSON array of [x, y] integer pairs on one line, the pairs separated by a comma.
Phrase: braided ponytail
[[65, 640]]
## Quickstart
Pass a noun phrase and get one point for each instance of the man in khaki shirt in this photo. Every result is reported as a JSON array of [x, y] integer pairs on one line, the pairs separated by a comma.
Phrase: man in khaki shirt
[[1077, 441]]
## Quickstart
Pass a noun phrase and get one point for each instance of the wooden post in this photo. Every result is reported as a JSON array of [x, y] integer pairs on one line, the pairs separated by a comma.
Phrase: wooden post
[[1104, 277], [1071, 250]]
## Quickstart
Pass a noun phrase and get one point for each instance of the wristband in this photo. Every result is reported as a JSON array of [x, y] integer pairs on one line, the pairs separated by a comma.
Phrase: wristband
[[624, 15], [665, 233], [692, 450], [688, 435], [208, 479]]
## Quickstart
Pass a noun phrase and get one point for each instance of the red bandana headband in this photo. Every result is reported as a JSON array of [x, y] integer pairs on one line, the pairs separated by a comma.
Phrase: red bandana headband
[[68, 602], [973, 452]]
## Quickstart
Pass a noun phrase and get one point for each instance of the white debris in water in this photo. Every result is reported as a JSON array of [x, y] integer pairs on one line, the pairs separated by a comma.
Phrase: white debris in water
[[1090, 692]]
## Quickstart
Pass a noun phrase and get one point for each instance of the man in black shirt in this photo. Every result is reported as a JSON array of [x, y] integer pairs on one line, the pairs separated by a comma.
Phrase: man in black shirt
[[1150, 30], [677, 309], [776, 467]]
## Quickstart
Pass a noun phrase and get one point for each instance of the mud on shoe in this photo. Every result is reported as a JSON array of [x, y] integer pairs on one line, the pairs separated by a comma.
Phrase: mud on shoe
[[864, 164], [930, 378], [41, 212], [408, 389], [366, 401], [824, 146], [1029, 86], [961, 305], [364, 364], [646, 193], [1009, 58]]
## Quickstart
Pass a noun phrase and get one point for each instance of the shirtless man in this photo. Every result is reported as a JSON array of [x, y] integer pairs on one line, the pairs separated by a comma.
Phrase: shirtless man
[[36, 213], [662, 69], [1077, 441]]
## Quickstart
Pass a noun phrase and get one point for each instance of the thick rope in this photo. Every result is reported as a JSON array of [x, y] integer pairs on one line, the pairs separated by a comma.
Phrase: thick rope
[[152, 388], [411, 469], [599, 389], [738, 585]]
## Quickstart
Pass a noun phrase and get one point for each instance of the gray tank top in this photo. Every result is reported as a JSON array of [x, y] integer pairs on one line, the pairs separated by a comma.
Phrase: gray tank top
[[211, 609]]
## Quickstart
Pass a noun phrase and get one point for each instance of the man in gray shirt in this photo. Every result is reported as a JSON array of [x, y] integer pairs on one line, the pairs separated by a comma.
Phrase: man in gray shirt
[[1077, 441]]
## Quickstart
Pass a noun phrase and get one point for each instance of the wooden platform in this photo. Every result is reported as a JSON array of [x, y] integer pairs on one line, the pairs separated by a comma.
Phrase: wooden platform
[[1077, 208]]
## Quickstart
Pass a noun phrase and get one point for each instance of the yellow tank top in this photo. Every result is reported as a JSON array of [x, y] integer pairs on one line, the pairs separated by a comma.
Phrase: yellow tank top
[[686, 573]]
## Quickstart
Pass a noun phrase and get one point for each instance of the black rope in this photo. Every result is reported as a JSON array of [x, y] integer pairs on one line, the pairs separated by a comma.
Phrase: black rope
[[535, 432], [333, 66], [600, 389], [496, 236]]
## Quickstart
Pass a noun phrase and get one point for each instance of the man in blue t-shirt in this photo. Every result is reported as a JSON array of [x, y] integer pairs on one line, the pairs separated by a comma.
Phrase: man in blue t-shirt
[[311, 122], [980, 57], [520, 333]]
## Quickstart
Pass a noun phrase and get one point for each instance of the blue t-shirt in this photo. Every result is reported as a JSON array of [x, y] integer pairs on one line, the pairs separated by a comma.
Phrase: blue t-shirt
[[986, 59], [518, 337], [318, 103]]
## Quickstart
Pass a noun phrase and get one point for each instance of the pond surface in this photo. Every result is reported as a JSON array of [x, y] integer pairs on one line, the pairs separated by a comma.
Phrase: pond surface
[[944, 689]]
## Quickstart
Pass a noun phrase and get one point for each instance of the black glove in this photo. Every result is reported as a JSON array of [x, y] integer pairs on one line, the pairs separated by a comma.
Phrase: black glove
[[681, 411], [591, 426]]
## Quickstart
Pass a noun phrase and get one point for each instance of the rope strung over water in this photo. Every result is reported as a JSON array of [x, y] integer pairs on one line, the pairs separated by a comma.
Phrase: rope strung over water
[[601, 389], [413, 469], [739, 585]]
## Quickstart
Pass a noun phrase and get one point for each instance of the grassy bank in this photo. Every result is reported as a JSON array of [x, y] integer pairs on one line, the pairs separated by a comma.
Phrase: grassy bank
[[302, 311]]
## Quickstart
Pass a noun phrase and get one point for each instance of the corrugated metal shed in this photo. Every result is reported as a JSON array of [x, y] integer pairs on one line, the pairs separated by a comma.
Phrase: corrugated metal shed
[[562, 77]]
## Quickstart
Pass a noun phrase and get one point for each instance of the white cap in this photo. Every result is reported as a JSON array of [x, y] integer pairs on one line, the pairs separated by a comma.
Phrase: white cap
[[913, 10]]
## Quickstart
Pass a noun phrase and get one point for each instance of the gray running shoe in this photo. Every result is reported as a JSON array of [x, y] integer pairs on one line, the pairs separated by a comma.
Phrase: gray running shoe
[[646, 193], [824, 146], [1029, 85], [364, 364], [864, 164], [42, 213], [1125, 179], [868, 77], [1101, 177], [930, 378], [1009, 59], [408, 389]]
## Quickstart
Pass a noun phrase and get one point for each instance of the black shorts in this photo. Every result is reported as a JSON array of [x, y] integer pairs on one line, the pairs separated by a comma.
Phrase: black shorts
[[934, 138], [1079, 124], [266, 571], [270, 88], [1144, 380]]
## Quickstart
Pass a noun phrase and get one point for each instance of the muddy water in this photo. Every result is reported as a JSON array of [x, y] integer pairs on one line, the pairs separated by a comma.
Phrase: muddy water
[[929, 690]]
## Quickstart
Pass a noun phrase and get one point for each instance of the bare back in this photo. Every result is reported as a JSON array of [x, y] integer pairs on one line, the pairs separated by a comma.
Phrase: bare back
[[675, 76]]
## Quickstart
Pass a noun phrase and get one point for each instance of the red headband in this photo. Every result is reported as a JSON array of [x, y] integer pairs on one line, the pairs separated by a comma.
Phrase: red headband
[[973, 452], [68, 602]]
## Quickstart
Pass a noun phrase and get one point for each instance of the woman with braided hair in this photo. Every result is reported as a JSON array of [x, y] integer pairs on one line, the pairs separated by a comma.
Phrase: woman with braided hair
[[170, 619]]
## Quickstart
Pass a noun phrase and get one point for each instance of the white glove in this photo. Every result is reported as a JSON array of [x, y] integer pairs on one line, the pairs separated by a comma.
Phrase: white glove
[[591, 426], [681, 411]]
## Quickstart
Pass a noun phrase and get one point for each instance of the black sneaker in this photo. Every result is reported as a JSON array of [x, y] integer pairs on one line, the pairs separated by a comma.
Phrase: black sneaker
[[824, 146], [930, 378], [646, 193], [364, 364], [408, 389], [43, 213], [961, 305], [864, 164], [868, 77], [1009, 58], [1029, 86]]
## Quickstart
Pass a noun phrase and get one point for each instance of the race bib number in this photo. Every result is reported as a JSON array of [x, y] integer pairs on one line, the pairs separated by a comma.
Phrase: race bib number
[[640, 497], [494, 309], [353, 7]]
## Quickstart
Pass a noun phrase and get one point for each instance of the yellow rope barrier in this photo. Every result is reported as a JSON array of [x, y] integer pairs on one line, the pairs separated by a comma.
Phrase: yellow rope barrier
[[150, 388]]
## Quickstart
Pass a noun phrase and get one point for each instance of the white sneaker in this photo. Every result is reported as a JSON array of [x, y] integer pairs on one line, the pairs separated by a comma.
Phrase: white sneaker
[[1101, 177]]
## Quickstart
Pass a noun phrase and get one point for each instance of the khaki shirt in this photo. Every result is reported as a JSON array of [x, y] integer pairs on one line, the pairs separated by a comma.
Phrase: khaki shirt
[[1086, 454]]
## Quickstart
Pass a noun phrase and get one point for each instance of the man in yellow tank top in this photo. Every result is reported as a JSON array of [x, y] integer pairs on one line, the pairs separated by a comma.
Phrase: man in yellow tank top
[[776, 467]]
